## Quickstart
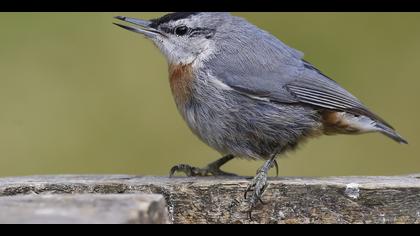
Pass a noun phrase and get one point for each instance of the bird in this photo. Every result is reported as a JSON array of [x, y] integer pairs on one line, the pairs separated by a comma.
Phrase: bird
[[247, 94]]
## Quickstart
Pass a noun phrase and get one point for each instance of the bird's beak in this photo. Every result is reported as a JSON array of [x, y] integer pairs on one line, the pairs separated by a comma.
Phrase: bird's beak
[[146, 30]]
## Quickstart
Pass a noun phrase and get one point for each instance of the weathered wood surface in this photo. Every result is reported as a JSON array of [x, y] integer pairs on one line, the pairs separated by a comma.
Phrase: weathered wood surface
[[220, 200], [84, 209]]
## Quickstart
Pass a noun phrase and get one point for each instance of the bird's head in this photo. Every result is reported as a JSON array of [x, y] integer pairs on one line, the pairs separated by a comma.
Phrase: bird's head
[[182, 37]]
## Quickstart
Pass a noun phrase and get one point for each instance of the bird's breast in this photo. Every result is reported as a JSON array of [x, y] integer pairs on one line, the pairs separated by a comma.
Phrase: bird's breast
[[181, 82]]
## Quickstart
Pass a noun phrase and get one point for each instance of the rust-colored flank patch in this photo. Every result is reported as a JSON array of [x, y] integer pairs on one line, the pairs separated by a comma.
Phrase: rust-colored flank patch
[[181, 79], [335, 122]]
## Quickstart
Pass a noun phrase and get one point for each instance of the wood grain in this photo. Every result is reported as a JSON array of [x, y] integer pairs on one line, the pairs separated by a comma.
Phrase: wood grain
[[393, 199]]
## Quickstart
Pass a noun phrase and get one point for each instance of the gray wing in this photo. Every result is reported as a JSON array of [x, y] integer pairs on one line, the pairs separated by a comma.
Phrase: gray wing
[[316, 89], [279, 74], [258, 65]]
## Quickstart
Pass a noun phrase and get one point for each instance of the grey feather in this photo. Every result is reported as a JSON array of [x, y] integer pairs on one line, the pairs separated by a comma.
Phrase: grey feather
[[316, 89], [261, 65], [251, 94]]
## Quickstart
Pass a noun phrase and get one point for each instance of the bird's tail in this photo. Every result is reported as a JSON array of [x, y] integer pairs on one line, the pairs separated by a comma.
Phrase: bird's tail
[[390, 132]]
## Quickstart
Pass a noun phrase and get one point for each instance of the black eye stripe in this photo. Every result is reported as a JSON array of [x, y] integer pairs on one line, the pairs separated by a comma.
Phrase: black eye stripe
[[166, 30], [202, 31], [196, 33], [192, 32]]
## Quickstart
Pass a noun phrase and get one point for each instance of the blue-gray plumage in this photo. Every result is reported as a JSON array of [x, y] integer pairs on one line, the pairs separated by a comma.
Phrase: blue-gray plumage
[[247, 94]]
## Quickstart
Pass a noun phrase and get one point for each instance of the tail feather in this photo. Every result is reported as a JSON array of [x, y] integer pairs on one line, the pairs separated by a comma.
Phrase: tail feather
[[390, 133], [347, 123]]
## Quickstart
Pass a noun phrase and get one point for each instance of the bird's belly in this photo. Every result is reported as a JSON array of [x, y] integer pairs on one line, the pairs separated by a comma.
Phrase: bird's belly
[[238, 125]]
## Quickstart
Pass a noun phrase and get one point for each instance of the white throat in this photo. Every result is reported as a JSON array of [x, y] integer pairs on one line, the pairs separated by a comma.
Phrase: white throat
[[181, 56]]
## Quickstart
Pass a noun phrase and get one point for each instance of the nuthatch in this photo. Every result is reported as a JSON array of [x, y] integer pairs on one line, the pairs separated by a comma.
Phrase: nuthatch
[[246, 94]]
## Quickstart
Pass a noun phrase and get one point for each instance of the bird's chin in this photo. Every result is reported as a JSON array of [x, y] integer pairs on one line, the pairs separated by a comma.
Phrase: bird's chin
[[176, 54]]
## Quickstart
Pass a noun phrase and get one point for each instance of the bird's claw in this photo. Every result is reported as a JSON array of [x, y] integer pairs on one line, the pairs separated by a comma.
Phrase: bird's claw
[[259, 184], [211, 169], [277, 168], [188, 170], [191, 171]]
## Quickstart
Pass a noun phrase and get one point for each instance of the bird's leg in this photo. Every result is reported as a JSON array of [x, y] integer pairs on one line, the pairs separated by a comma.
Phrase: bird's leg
[[211, 169], [259, 183], [276, 165]]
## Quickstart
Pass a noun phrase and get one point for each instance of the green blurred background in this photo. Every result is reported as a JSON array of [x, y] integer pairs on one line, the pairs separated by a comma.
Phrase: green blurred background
[[80, 95]]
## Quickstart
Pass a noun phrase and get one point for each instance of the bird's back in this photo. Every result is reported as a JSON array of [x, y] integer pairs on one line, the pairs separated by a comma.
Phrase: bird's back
[[256, 64]]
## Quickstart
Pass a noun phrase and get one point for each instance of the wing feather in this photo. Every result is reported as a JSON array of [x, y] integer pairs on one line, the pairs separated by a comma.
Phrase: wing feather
[[262, 67], [316, 89]]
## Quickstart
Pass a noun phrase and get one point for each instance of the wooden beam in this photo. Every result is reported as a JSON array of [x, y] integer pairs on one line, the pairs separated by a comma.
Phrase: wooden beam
[[376, 199]]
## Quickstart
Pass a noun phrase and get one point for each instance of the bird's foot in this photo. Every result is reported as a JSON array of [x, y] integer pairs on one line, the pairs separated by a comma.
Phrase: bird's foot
[[258, 185], [211, 169], [188, 170], [191, 171]]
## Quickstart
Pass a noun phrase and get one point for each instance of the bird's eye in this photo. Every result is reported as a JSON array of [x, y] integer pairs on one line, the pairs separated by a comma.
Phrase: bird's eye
[[181, 30]]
